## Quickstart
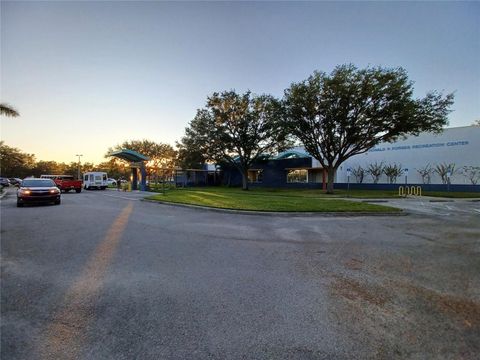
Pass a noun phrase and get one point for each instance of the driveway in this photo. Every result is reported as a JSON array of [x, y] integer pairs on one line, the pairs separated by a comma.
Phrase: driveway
[[437, 207], [105, 276]]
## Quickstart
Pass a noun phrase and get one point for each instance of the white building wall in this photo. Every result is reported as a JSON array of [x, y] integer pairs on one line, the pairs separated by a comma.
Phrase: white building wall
[[460, 146]]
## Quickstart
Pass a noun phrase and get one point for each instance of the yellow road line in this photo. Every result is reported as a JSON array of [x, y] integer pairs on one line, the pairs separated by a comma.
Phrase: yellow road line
[[64, 337]]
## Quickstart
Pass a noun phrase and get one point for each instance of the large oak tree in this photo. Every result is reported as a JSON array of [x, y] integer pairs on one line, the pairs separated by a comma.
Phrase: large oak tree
[[351, 110], [236, 129]]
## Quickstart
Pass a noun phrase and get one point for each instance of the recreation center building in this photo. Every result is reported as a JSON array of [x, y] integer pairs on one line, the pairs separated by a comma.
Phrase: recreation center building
[[296, 168]]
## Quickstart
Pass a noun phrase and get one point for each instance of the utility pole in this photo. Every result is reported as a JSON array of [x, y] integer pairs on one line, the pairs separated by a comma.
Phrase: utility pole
[[78, 175]]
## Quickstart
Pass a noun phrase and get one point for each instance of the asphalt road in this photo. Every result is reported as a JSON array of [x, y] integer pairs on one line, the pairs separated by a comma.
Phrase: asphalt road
[[106, 276]]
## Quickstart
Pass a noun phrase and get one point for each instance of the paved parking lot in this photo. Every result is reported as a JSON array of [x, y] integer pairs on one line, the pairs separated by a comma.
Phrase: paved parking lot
[[106, 276], [437, 207]]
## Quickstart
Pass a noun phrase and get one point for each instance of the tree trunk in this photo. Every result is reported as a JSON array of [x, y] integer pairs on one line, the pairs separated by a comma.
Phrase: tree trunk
[[244, 179], [331, 176]]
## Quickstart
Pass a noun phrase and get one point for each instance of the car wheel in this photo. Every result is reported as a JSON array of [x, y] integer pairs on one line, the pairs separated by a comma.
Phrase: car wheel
[[57, 202], [78, 190], [19, 204]]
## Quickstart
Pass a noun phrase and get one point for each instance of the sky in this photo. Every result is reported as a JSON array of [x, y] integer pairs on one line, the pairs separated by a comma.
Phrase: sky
[[86, 76]]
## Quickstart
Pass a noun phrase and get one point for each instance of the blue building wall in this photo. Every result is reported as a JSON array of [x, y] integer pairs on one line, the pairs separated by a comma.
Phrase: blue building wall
[[275, 176], [274, 173]]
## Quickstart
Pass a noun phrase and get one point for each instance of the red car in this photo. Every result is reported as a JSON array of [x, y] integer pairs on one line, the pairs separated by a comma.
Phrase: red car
[[65, 182], [38, 191]]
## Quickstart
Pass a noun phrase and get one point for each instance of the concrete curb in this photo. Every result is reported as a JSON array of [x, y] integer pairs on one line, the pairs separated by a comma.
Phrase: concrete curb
[[273, 213]]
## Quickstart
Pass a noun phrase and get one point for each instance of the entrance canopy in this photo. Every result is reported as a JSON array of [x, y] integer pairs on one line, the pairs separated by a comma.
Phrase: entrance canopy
[[129, 155], [136, 161]]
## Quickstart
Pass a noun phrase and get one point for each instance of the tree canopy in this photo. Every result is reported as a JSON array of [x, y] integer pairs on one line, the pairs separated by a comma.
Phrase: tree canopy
[[115, 168], [351, 110], [7, 110], [236, 129], [161, 155], [14, 162]]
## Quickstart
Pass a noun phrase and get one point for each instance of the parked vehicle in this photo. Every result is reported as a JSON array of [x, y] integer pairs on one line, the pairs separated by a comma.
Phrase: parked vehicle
[[4, 182], [65, 182], [111, 182], [15, 181], [95, 180], [38, 191]]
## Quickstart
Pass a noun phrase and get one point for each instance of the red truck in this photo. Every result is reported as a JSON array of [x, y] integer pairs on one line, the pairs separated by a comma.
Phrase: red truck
[[65, 182]]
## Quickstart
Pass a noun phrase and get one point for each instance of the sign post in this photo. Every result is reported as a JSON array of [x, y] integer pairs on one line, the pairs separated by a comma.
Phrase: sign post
[[405, 171], [348, 181], [449, 174]]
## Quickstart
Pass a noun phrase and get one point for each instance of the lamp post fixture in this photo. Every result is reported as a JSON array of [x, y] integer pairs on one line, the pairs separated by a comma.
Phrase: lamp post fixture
[[78, 174]]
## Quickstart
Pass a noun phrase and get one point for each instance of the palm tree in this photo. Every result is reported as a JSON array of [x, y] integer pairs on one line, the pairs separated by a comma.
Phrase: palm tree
[[7, 110]]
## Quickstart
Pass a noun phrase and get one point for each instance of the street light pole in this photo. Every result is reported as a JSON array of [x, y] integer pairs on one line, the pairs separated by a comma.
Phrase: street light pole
[[78, 174]]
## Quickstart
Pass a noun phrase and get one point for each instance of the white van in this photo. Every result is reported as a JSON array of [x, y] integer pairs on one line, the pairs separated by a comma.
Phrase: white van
[[95, 180]]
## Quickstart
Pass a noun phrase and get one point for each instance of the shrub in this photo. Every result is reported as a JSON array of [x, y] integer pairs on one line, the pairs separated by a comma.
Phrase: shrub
[[443, 169], [359, 174], [472, 173], [375, 170], [393, 171], [426, 173]]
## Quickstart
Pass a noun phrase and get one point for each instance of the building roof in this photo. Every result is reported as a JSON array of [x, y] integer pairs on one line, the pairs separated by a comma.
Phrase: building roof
[[291, 154]]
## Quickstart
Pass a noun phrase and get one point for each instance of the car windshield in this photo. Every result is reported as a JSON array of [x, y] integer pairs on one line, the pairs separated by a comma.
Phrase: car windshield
[[38, 183]]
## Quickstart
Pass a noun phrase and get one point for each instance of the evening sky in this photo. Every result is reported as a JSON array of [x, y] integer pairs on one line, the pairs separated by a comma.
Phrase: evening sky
[[88, 75]]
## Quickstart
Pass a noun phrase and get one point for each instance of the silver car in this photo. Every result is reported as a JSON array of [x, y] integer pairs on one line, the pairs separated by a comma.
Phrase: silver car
[[38, 191]]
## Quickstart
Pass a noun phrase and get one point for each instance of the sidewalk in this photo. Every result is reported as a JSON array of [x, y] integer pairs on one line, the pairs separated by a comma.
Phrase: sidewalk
[[128, 195]]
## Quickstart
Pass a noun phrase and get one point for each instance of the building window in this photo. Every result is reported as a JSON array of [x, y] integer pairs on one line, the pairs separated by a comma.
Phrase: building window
[[255, 176], [297, 176]]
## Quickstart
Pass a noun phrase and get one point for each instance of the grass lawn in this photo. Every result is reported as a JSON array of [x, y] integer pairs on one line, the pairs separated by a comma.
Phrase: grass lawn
[[357, 194], [362, 194], [267, 200]]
